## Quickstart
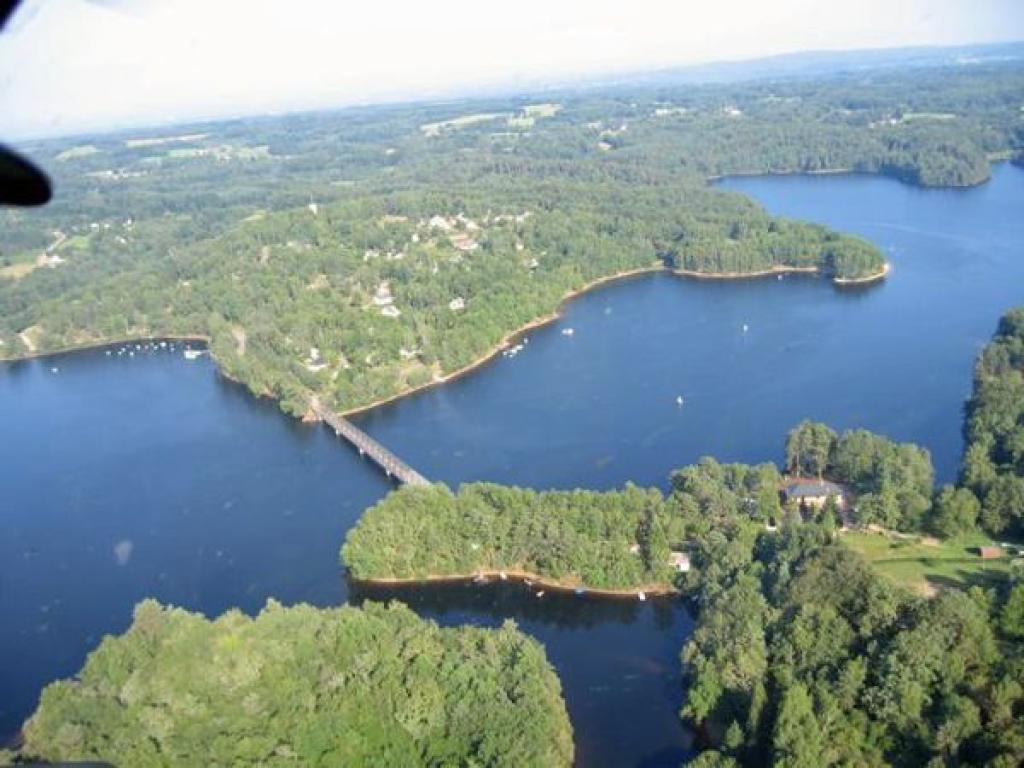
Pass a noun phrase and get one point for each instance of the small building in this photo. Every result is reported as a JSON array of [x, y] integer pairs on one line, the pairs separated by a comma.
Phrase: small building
[[457, 304], [50, 260], [813, 494], [680, 561], [464, 242], [391, 311], [989, 553], [383, 297]]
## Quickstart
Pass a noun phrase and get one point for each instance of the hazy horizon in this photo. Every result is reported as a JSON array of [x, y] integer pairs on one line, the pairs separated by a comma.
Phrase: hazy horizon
[[133, 64]]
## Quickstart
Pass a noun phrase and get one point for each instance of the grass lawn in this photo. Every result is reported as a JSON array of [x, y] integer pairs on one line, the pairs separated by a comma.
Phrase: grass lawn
[[17, 270], [926, 565]]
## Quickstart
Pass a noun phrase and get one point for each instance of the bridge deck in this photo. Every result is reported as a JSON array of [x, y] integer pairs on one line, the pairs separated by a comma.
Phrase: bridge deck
[[385, 459]]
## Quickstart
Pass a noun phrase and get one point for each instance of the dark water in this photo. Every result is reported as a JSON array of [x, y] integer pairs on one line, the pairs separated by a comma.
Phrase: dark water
[[125, 478]]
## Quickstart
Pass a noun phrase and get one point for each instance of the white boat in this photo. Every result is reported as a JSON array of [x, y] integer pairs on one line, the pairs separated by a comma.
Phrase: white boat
[[541, 593], [641, 596], [746, 327], [192, 354], [568, 331], [679, 400], [54, 369]]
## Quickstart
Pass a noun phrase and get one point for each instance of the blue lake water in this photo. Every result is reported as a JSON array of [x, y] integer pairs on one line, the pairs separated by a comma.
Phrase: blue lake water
[[122, 478]]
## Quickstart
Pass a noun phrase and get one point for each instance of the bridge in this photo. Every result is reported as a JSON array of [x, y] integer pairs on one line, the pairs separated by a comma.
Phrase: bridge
[[367, 446]]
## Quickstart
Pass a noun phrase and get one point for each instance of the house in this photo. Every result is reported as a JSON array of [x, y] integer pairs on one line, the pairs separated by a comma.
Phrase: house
[[383, 297], [457, 304], [813, 494], [50, 260], [680, 561], [464, 242], [989, 553]]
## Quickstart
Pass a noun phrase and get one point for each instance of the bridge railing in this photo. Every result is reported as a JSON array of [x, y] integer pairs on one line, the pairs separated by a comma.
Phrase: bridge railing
[[385, 459]]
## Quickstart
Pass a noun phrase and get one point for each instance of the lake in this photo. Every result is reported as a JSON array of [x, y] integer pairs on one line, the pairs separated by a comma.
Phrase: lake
[[126, 477]]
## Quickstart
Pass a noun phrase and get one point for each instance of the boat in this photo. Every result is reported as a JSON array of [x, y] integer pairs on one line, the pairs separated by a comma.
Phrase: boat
[[746, 327], [679, 400], [642, 597], [192, 354], [541, 593], [54, 369], [502, 575], [580, 591], [568, 331]]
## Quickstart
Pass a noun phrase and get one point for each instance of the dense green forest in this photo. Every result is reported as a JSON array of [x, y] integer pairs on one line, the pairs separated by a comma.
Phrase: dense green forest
[[360, 253], [993, 467], [306, 686], [614, 540], [804, 656]]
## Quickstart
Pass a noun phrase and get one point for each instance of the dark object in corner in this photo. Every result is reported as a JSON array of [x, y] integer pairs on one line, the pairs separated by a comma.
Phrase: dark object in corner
[[21, 183]]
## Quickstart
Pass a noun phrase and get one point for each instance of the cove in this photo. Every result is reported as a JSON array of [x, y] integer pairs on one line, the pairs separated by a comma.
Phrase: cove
[[152, 476]]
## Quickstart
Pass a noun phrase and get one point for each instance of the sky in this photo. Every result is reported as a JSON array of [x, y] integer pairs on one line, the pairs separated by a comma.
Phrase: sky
[[79, 65]]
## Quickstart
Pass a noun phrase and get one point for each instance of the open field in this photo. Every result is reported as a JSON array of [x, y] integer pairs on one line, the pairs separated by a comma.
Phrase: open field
[[927, 565], [17, 270]]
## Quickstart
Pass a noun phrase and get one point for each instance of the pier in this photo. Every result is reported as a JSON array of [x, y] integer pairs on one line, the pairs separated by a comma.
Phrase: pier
[[367, 446]]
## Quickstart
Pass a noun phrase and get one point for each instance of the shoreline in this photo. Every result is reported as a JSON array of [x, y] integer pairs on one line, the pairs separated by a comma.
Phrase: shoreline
[[872, 278], [820, 172], [649, 590], [503, 344], [507, 339], [93, 346], [777, 270]]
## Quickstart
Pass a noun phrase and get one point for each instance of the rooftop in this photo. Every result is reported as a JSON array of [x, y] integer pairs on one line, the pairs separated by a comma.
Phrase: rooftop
[[820, 488]]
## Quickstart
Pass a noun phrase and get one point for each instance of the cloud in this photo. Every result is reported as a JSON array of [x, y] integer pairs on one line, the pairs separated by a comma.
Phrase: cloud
[[70, 64]]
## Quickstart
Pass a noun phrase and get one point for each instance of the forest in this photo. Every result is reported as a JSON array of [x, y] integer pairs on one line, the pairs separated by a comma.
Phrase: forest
[[588, 539], [804, 656], [358, 254], [375, 685], [993, 467]]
